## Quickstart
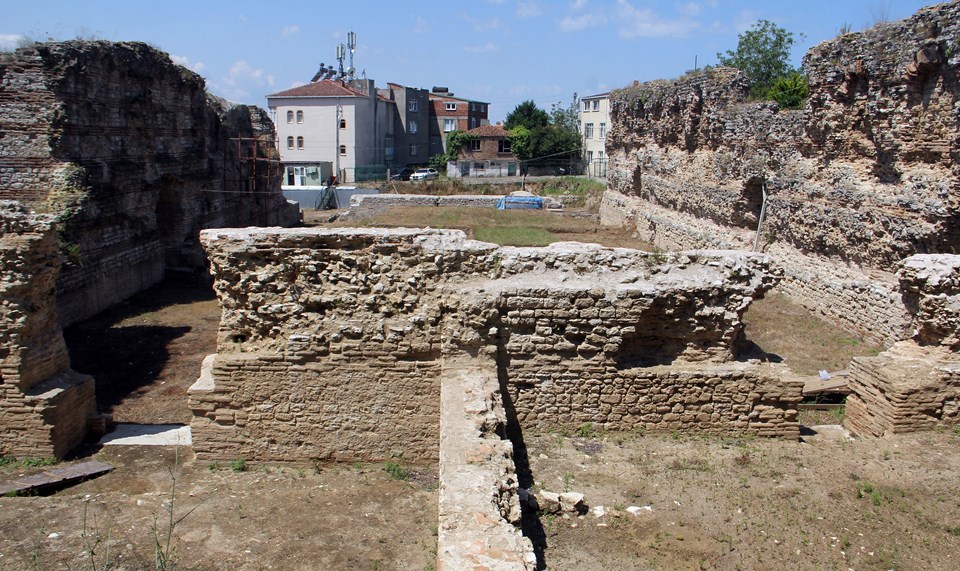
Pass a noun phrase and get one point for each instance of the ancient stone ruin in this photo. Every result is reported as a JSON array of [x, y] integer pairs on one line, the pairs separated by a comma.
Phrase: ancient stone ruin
[[379, 344], [133, 157], [44, 404], [864, 176], [112, 159]]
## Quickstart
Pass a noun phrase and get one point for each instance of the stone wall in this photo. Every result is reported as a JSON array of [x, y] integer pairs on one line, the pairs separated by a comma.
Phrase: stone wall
[[44, 405], [331, 340], [916, 384], [134, 158], [860, 178]]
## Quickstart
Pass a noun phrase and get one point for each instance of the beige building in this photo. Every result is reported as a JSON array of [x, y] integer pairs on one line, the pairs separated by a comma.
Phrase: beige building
[[594, 123]]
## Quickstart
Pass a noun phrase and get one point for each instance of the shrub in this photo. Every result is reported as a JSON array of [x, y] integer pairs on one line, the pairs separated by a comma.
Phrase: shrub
[[790, 91]]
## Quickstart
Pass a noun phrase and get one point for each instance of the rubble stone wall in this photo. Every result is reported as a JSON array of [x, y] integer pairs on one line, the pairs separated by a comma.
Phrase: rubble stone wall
[[865, 175], [133, 157], [44, 405], [331, 340], [915, 385]]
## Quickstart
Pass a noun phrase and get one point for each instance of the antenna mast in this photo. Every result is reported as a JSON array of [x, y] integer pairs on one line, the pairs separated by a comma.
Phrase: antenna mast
[[352, 46]]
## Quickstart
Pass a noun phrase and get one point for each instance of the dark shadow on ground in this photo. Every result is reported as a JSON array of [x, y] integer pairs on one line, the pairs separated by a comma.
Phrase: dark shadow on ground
[[746, 350], [120, 359], [530, 521], [126, 354]]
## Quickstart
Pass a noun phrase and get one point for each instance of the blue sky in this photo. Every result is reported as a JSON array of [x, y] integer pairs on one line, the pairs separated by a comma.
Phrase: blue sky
[[499, 51]]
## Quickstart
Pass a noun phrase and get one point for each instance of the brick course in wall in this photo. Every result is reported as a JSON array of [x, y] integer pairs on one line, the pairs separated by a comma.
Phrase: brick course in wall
[[44, 405]]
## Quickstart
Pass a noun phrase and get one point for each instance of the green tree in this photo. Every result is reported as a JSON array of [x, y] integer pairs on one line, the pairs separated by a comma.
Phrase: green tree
[[567, 118], [762, 54], [528, 115]]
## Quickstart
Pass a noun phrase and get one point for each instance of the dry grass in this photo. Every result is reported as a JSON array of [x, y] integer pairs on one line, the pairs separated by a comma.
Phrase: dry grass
[[805, 342], [506, 227]]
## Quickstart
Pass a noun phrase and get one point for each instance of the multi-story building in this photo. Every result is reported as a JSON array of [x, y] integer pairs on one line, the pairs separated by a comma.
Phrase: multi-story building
[[594, 122], [449, 113], [409, 141], [353, 131], [486, 153], [331, 128]]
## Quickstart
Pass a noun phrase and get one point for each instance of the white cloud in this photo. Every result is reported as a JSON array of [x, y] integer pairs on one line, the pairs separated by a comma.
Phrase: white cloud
[[288, 31], [420, 26], [690, 9], [528, 9], [578, 4], [483, 24], [9, 41], [197, 66], [485, 48], [581, 22], [645, 23]]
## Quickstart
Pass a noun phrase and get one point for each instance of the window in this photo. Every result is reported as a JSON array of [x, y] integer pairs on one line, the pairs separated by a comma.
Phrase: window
[[449, 125], [473, 122], [600, 156], [290, 141], [596, 104], [588, 130], [413, 127], [589, 156], [503, 146], [603, 130], [343, 123], [483, 108], [450, 106], [586, 105], [289, 116], [475, 145], [413, 150], [300, 143], [299, 116], [343, 150], [412, 105]]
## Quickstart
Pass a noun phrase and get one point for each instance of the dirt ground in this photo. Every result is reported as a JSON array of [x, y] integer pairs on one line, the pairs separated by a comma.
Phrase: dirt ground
[[714, 503], [340, 517]]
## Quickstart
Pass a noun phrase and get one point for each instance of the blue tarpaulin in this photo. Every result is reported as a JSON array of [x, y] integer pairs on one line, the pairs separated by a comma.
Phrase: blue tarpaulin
[[518, 202]]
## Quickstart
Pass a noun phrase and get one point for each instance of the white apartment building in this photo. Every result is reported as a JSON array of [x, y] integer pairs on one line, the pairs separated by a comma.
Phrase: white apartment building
[[328, 128], [594, 124]]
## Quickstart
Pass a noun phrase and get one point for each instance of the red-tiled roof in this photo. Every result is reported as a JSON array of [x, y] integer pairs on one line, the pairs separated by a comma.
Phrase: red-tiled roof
[[489, 131], [323, 88]]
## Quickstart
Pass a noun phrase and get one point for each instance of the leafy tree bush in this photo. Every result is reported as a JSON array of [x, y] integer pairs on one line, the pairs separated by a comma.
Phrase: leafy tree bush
[[762, 54], [790, 91], [528, 115]]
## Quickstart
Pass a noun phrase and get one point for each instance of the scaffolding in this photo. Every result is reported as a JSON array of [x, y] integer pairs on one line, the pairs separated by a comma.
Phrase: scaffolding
[[253, 165]]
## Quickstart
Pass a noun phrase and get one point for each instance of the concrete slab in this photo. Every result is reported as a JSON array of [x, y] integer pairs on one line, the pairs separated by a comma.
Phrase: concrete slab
[[61, 476], [149, 435]]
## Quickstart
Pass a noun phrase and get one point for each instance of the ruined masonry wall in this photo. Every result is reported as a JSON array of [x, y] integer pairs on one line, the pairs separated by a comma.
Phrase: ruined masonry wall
[[44, 405], [865, 175], [916, 384], [331, 341], [133, 157]]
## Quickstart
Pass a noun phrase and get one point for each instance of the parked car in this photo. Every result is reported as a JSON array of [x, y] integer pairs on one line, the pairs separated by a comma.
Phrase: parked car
[[425, 174], [402, 175]]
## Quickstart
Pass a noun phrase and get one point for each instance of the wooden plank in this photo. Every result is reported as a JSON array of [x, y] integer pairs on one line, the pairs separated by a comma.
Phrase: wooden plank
[[837, 383], [56, 477]]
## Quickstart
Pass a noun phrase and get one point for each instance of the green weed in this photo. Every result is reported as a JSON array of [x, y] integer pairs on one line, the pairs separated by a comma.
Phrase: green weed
[[396, 471], [239, 465]]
